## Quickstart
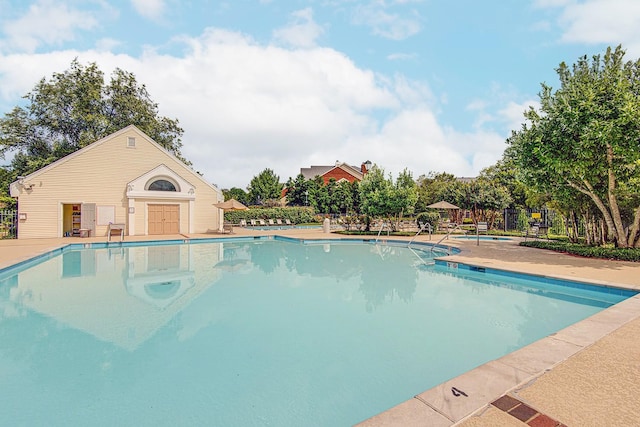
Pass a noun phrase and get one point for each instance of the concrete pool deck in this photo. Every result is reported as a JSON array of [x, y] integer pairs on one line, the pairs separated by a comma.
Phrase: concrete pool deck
[[584, 375]]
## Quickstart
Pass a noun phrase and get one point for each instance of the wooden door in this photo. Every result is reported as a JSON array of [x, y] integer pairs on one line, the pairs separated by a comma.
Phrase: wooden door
[[164, 219], [171, 216]]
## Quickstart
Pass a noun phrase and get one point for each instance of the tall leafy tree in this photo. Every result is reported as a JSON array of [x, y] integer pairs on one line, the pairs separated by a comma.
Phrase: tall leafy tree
[[297, 191], [342, 198], [75, 108], [318, 195], [265, 187], [485, 199], [504, 173], [586, 136], [403, 197], [435, 187], [375, 191], [381, 196], [236, 193]]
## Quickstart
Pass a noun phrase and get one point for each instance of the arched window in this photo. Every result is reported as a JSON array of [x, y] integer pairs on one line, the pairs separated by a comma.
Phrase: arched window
[[162, 185]]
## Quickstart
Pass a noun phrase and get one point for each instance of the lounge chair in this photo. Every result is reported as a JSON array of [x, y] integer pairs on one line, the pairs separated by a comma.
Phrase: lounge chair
[[287, 222], [261, 222], [227, 227], [243, 223], [425, 226], [253, 222], [482, 227], [533, 231], [271, 222], [279, 221]]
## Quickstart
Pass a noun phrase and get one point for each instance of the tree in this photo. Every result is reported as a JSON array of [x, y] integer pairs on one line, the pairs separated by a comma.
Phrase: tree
[[297, 194], [342, 197], [236, 193], [504, 173], [485, 199], [264, 187], [403, 197], [586, 137], [75, 108], [435, 187], [375, 191], [318, 194], [380, 196]]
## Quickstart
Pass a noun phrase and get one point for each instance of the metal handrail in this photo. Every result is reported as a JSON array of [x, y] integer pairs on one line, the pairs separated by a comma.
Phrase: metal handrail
[[446, 236], [380, 231], [420, 230]]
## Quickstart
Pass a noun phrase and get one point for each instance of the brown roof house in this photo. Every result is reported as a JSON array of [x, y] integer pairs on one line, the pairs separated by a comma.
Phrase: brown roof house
[[340, 171], [125, 179]]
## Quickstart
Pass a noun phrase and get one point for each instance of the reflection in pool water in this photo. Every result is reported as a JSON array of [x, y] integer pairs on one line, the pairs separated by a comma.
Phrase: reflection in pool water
[[259, 332]]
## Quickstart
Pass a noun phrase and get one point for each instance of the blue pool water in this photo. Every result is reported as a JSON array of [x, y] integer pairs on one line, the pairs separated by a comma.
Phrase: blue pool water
[[255, 332]]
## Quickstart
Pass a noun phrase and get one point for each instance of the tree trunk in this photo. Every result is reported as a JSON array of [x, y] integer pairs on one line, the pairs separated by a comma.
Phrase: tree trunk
[[621, 235], [599, 204], [587, 229], [634, 232]]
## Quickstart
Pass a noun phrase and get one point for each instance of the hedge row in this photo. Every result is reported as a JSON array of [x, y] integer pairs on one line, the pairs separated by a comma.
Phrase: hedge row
[[297, 215], [620, 254]]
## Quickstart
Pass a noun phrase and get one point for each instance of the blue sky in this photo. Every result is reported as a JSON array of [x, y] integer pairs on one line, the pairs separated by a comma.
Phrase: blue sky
[[428, 85]]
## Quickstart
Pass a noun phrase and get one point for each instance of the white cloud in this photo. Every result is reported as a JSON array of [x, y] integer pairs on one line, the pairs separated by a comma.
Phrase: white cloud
[[150, 9], [393, 26], [413, 139], [302, 31], [598, 21], [513, 113], [401, 56], [107, 44], [47, 22], [247, 106], [552, 3]]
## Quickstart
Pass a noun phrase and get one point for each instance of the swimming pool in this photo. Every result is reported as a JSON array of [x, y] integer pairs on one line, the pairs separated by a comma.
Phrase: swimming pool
[[259, 331]]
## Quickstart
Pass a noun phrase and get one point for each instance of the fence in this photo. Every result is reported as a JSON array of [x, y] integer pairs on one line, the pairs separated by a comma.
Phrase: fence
[[521, 219], [8, 224]]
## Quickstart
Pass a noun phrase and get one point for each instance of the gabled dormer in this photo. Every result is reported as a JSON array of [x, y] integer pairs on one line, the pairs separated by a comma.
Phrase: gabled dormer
[[161, 182]]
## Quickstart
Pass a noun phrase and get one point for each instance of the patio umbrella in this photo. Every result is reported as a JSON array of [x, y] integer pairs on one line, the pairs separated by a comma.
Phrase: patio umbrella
[[442, 205], [231, 205]]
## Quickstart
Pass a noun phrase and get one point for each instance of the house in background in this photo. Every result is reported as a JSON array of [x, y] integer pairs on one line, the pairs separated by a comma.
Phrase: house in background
[[125, 178], [340, 171]]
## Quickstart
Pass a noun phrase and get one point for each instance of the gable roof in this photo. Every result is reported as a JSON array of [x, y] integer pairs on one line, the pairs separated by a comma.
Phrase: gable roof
[[313, 171], [13, 187]]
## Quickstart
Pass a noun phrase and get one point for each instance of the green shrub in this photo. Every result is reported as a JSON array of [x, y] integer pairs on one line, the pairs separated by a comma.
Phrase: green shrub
[[431, 217], [297, 215], [620, 254]]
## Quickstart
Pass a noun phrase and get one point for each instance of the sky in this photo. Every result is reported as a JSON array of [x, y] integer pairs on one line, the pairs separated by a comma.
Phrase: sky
[[422, 85]]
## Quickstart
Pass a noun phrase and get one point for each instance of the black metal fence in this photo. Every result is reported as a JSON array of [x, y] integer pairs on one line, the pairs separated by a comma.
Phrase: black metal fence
[[521, 219], [8, 224]]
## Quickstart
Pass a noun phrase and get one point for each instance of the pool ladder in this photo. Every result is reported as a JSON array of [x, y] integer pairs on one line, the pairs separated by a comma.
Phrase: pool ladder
[[423, 226], [382, 226]]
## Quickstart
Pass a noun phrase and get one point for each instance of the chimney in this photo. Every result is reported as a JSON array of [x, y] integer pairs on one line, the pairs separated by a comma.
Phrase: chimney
[[364, 168]]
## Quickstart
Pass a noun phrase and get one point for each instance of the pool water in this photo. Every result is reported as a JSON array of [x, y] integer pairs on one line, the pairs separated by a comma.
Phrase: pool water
[[255, 332]]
